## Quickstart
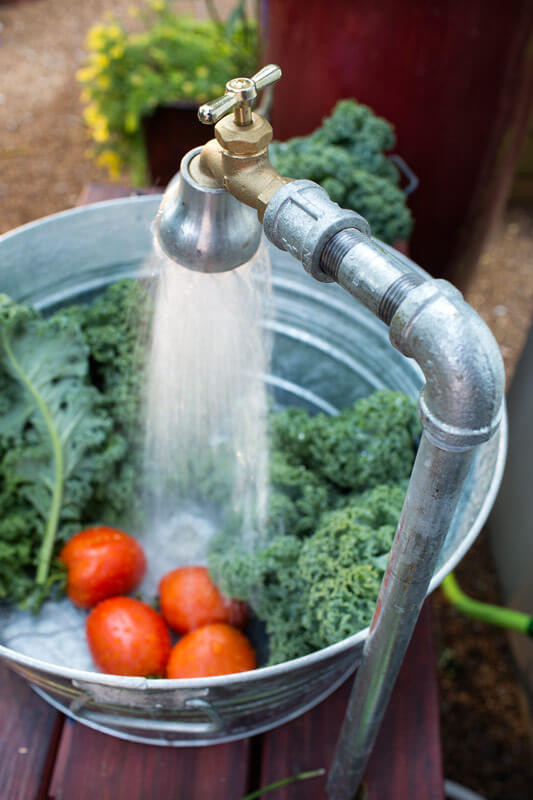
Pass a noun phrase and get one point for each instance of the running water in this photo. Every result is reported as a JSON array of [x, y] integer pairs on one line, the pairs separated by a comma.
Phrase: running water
[[206, 438]]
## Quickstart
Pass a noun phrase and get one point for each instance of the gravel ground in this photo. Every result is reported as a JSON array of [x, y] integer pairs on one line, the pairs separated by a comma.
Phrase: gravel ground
[[485, 728]]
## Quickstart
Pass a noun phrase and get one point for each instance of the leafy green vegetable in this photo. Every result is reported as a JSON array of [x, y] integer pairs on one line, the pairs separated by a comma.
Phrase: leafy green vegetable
[[69, 434], [53, 426], [338, 485], [346, 155], [115, 328]]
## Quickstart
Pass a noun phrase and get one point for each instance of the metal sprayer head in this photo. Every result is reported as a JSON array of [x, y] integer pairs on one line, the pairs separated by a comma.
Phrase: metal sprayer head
[[200, 225], [204, 228]]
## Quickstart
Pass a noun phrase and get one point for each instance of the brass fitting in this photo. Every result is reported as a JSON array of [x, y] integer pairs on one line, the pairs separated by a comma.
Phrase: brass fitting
[[237, 159]]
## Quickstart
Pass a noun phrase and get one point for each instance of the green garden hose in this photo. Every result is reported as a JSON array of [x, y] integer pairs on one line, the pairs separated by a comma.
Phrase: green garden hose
[[494, 615]]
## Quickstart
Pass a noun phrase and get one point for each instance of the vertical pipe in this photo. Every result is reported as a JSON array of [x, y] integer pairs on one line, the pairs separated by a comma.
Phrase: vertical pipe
[[435, 485]]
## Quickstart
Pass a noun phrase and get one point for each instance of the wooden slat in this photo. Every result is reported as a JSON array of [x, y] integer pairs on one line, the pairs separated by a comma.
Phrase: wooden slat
[[406, 762], [94, 766], [29, 732]]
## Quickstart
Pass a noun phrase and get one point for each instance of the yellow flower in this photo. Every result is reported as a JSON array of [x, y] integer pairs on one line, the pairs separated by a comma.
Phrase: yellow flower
[[96, 38], [86, 74], [157, 5], [100, 134], [92, 115], [104, 82], [111, 160], [117, 51], [133, 12], [202, 72], [100, 60], [131, 122], [114, 32]]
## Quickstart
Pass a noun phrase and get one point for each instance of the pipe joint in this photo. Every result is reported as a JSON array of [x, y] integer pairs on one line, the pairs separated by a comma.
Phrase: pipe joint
[[462, 401], [301, 219]]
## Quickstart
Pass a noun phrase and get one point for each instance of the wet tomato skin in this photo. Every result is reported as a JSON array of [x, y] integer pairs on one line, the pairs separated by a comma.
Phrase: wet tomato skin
[[127, 637], [101, 562], [215, 649], [189, 600]]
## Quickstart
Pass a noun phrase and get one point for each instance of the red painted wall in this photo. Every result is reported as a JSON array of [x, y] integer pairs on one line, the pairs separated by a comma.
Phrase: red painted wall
[[447, 74]]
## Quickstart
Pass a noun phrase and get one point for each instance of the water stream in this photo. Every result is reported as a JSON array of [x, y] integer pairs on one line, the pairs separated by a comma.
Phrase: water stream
[[206, 437]]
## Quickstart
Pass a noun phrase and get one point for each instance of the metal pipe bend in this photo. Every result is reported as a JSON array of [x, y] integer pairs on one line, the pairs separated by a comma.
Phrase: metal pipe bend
[[462, 401]]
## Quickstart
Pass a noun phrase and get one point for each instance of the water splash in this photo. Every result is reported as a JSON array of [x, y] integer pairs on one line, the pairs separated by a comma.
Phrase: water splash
[[206, 431]]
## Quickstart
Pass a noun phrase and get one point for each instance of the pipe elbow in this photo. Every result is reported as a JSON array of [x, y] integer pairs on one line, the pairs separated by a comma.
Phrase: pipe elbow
[[462, 401]]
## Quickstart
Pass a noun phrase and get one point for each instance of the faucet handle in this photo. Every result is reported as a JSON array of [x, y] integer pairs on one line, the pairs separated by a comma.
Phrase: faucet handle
[[240, 94]]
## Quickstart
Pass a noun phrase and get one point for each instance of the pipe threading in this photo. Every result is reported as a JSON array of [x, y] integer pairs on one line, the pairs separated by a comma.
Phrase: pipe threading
[[395, 294], [335, 250]]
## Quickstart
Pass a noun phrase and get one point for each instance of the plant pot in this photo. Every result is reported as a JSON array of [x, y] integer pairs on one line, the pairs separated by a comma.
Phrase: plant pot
[[169, 133]]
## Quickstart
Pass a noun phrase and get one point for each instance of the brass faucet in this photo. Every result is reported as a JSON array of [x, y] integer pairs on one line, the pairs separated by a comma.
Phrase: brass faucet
[[237, 158]]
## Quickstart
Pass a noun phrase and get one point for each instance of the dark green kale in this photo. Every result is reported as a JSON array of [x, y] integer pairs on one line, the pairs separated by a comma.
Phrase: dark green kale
[[372, 443], [54, 431], [315, 580], [115, 326], [346, 155], [298, 497], [69, 445]]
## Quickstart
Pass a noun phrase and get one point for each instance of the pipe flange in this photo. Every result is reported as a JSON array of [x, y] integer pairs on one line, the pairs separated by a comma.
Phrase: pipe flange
[[301, 218]]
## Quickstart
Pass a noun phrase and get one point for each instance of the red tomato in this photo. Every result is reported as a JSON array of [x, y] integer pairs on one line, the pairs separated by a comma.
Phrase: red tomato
[[212, 650], [189, 599], [127, 637], [101, 562]]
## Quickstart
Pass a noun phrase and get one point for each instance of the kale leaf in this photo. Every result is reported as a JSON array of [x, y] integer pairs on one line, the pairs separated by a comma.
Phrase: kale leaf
[[347, 156], [53, 430]]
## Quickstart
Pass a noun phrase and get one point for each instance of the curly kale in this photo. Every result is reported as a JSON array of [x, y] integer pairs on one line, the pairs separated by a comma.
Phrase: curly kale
[[114, 326], [298, 497], [314, 592], [315, 580], [346, 155], [373, 442], [66, 455]]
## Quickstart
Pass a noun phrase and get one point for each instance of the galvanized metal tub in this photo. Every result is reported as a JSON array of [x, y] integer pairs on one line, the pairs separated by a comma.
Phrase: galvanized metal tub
[[328, 350]]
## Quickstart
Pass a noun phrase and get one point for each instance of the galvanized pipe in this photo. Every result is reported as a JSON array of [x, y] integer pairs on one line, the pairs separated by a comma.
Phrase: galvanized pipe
[[460, 407], [434, 489]]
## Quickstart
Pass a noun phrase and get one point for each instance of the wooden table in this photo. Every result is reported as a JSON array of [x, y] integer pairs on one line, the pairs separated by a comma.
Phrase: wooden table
[[45, 756]]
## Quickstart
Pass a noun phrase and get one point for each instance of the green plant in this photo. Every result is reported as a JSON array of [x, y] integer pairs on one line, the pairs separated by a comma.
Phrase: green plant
[[347, 156], [338, 485], [170, 57], [69, 398]]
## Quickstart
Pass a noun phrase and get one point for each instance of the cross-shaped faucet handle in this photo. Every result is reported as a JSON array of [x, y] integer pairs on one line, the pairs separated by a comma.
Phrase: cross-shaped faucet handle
[[240, 95]]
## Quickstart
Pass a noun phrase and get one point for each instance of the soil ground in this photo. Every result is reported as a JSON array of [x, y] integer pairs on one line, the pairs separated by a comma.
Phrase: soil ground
[[485, 725]]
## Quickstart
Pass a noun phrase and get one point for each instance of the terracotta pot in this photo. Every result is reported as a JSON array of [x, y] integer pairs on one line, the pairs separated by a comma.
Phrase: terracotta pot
[[169, 133]]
